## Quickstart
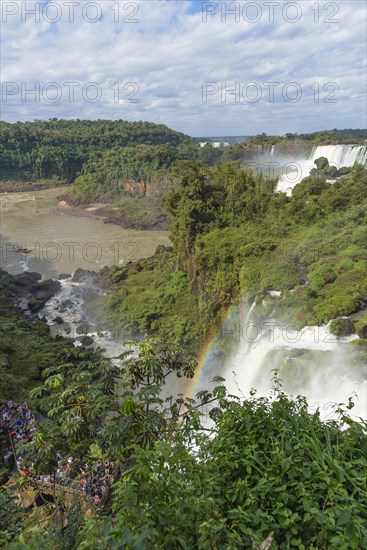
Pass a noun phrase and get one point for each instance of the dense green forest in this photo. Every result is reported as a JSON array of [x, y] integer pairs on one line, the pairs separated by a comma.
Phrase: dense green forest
[[234, 237], [57, 149], [60, 150], [158, 166], [214, 471], [326, 137]]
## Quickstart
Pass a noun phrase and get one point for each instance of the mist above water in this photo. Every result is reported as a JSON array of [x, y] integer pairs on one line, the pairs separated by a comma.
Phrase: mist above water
[[337, 155], [311, 362]]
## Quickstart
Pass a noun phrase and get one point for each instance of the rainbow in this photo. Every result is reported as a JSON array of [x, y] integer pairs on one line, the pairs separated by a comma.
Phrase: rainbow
[[204, 371]]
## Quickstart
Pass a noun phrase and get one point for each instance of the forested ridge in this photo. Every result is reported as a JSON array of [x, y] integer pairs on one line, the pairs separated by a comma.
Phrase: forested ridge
[[57, 149], [60, 150], [325, 137]]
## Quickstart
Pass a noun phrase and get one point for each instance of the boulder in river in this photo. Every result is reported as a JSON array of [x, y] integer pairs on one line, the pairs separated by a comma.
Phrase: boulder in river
[[85, 328], [342, 327], [100, 278], [59, 320], [63, 276], [46, 289], [86, 341]]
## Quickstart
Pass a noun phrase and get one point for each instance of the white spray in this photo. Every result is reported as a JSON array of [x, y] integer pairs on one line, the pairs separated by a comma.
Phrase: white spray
[[337, 155]]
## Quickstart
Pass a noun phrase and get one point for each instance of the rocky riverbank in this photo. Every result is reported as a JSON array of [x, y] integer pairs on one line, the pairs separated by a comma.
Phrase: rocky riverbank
[[27, 293], [100, 279]]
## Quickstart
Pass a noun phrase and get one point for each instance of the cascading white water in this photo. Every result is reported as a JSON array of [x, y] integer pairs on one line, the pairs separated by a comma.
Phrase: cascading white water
[[70, 305], [310, 362], [337, 155]]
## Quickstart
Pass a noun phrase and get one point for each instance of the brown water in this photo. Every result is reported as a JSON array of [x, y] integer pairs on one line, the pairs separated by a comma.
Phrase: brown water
[[59, 243]]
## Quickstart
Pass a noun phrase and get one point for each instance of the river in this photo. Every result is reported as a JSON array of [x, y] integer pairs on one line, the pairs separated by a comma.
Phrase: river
[[59, 243]]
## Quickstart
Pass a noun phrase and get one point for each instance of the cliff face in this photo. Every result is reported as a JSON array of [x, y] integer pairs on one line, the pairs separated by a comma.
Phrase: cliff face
[[148, 189], [298, 149], [141, 188]]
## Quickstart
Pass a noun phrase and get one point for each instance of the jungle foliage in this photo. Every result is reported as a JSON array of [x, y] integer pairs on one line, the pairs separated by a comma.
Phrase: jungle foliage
[[221, 472], [208, 471], [30, 151], [232, 237]]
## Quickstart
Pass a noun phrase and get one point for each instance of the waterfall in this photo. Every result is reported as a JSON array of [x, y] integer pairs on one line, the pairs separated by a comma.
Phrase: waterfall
[[249, 326], [310, 362], [337, 155], [272, 150], [249, 313]]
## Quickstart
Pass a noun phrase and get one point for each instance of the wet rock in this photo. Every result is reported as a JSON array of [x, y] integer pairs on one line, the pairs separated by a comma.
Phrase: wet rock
[[81, 275], [361, 328], [35, 305], [34, 276], [59, 320], [85, 328], [342, 327], [27, 279], [46, 289], [86, 341], [99, 279], [63, 276]]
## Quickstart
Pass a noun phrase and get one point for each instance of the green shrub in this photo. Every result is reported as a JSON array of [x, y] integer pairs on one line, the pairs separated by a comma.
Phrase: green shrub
[[354, 252], [342, 327], [361, 328], [322, 273]]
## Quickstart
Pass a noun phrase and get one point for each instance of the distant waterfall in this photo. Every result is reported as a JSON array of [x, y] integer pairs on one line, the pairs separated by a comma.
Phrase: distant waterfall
[[337, 155]]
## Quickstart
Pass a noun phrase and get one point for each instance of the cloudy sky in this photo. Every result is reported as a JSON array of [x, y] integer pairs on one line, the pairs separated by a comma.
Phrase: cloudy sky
[[204, 68]]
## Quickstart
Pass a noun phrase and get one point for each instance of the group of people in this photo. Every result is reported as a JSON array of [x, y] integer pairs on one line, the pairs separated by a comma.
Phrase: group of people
[[19, 421], [96, 484], [93, 479]]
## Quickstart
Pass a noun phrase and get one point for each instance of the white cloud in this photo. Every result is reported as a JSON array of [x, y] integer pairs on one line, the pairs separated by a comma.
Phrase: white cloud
[[170, 52]]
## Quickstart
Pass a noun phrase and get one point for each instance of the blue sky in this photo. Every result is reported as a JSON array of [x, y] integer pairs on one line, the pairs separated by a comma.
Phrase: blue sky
[[204, 68]]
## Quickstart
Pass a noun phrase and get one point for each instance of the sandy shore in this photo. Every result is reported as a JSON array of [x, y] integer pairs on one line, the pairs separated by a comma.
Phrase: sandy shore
[[83, 210], [106, 213]]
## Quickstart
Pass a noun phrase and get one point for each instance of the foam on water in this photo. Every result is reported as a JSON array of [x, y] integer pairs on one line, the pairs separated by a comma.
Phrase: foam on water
[[71, 304]]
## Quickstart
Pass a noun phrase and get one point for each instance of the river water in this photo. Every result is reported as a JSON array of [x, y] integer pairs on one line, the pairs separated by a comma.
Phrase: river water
[[59, 243]]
